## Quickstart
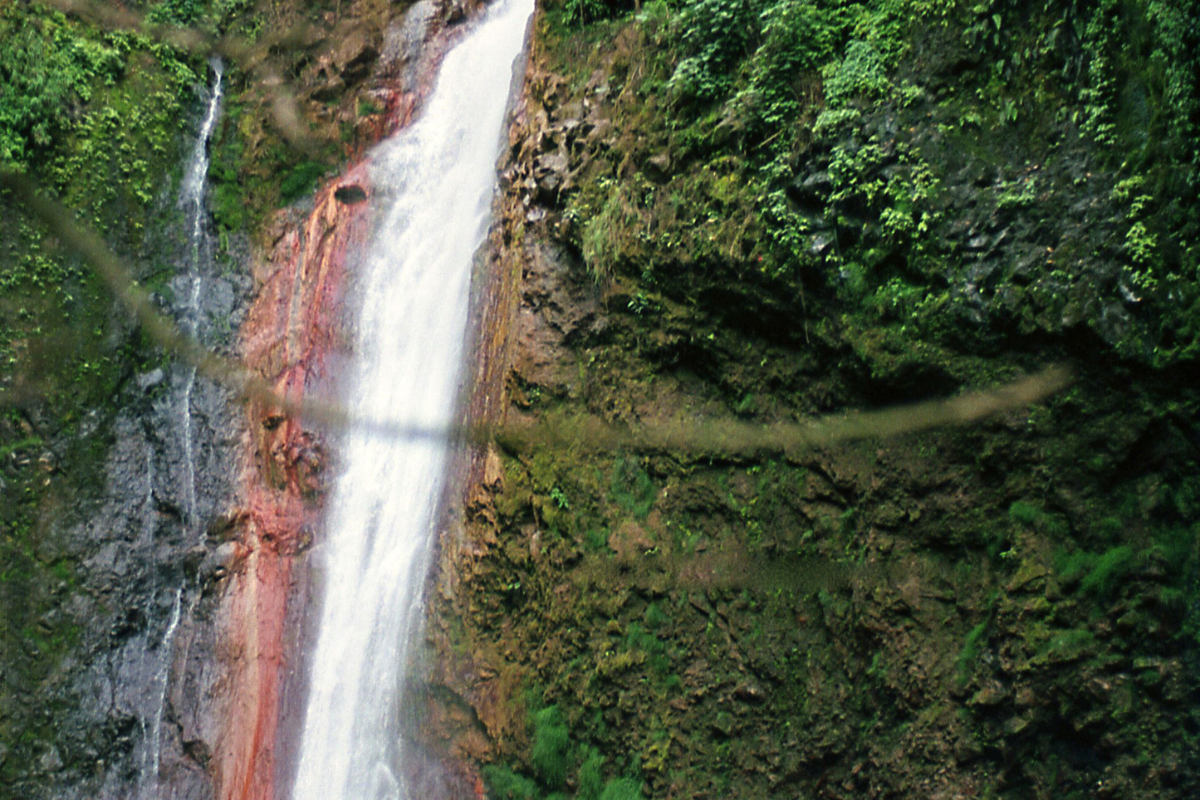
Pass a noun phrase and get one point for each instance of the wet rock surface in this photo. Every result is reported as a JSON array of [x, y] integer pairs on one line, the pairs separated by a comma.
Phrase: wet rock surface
[[128, 681], [981, 612], [133, 610]]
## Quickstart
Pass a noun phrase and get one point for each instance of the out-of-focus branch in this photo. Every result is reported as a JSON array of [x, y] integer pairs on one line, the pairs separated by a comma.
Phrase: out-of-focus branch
[[723, 436], [708, 436], [92, 249], [251, 57]]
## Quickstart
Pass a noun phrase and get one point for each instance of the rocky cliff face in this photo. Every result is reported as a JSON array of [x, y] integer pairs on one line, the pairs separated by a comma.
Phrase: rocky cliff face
[[1002, 611], [130, 609], [166, 658], [1007, 610]]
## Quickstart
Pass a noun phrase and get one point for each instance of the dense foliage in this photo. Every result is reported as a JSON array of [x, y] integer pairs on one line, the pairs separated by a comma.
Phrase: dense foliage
[[787, 208], [761, 90]]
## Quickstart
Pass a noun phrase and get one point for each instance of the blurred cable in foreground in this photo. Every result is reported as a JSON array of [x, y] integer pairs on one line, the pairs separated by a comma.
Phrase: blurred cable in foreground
[[714, 436]]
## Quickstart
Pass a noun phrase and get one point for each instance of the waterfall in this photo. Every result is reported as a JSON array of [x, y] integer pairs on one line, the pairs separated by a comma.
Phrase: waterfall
[[191, 200], [157, 654], [435, 181], [164, 680]]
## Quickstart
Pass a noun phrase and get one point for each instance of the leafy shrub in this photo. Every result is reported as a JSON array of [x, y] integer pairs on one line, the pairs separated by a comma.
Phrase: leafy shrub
[[716, 34], [504, 784], [301, 180], [607, 234], [622, 789], [177, 12], [796, 37], [581, 12], [551, 746], [861, 73], [45, 69]]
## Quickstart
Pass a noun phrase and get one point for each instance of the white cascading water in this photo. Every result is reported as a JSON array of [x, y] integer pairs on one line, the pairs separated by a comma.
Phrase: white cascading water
[[435, 180], [191, 199], [191, 202], [164, 679]]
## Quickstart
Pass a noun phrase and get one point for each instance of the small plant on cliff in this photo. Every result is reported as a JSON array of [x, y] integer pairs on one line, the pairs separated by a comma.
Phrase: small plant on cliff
[[551, 747], [591, 775], [966, 658], [632, 488], [622, 789], [560, 498], [1109, 568], [1097, 575], [504, 784], [581, 12], [300, 180], [1030, 516]]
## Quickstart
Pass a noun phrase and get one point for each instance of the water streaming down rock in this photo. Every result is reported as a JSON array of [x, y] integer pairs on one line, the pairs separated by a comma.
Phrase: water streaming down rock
[[198, 254], [164, 679], [438, 177], [196, 257]]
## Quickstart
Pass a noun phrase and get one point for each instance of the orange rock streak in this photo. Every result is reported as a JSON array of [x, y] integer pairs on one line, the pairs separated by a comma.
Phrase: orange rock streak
[[289, 336]]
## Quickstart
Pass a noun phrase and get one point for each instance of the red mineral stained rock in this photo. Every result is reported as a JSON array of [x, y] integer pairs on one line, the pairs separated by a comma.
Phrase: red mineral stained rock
[[289, 336]]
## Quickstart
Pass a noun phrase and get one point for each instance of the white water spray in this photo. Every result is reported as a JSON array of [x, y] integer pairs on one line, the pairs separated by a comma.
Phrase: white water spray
[[150, 784], [191, 199], [149, 513], [164, 679], [438, 177]]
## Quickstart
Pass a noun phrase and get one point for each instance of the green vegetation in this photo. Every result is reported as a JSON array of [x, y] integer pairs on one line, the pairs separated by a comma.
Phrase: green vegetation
[[1097, 574], [791, 208], [970, 650], [300, 180], [562, 768], [631, 487], [622, 789], [753, 90], [1031, 516], [786, 208], [505, 784], [551, 743], [98, 119], [45, 68]]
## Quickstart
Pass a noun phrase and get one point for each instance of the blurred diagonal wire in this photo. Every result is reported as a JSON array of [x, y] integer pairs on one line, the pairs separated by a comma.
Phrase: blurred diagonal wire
[[707, 436]]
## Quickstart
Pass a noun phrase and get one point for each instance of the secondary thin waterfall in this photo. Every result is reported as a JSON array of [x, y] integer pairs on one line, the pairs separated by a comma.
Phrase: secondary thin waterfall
[[438, 177], [191, 199], [196, 258]]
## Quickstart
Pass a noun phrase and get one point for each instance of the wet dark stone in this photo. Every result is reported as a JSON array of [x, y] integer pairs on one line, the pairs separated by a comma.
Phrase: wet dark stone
[[811, 190], [350, 194]]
